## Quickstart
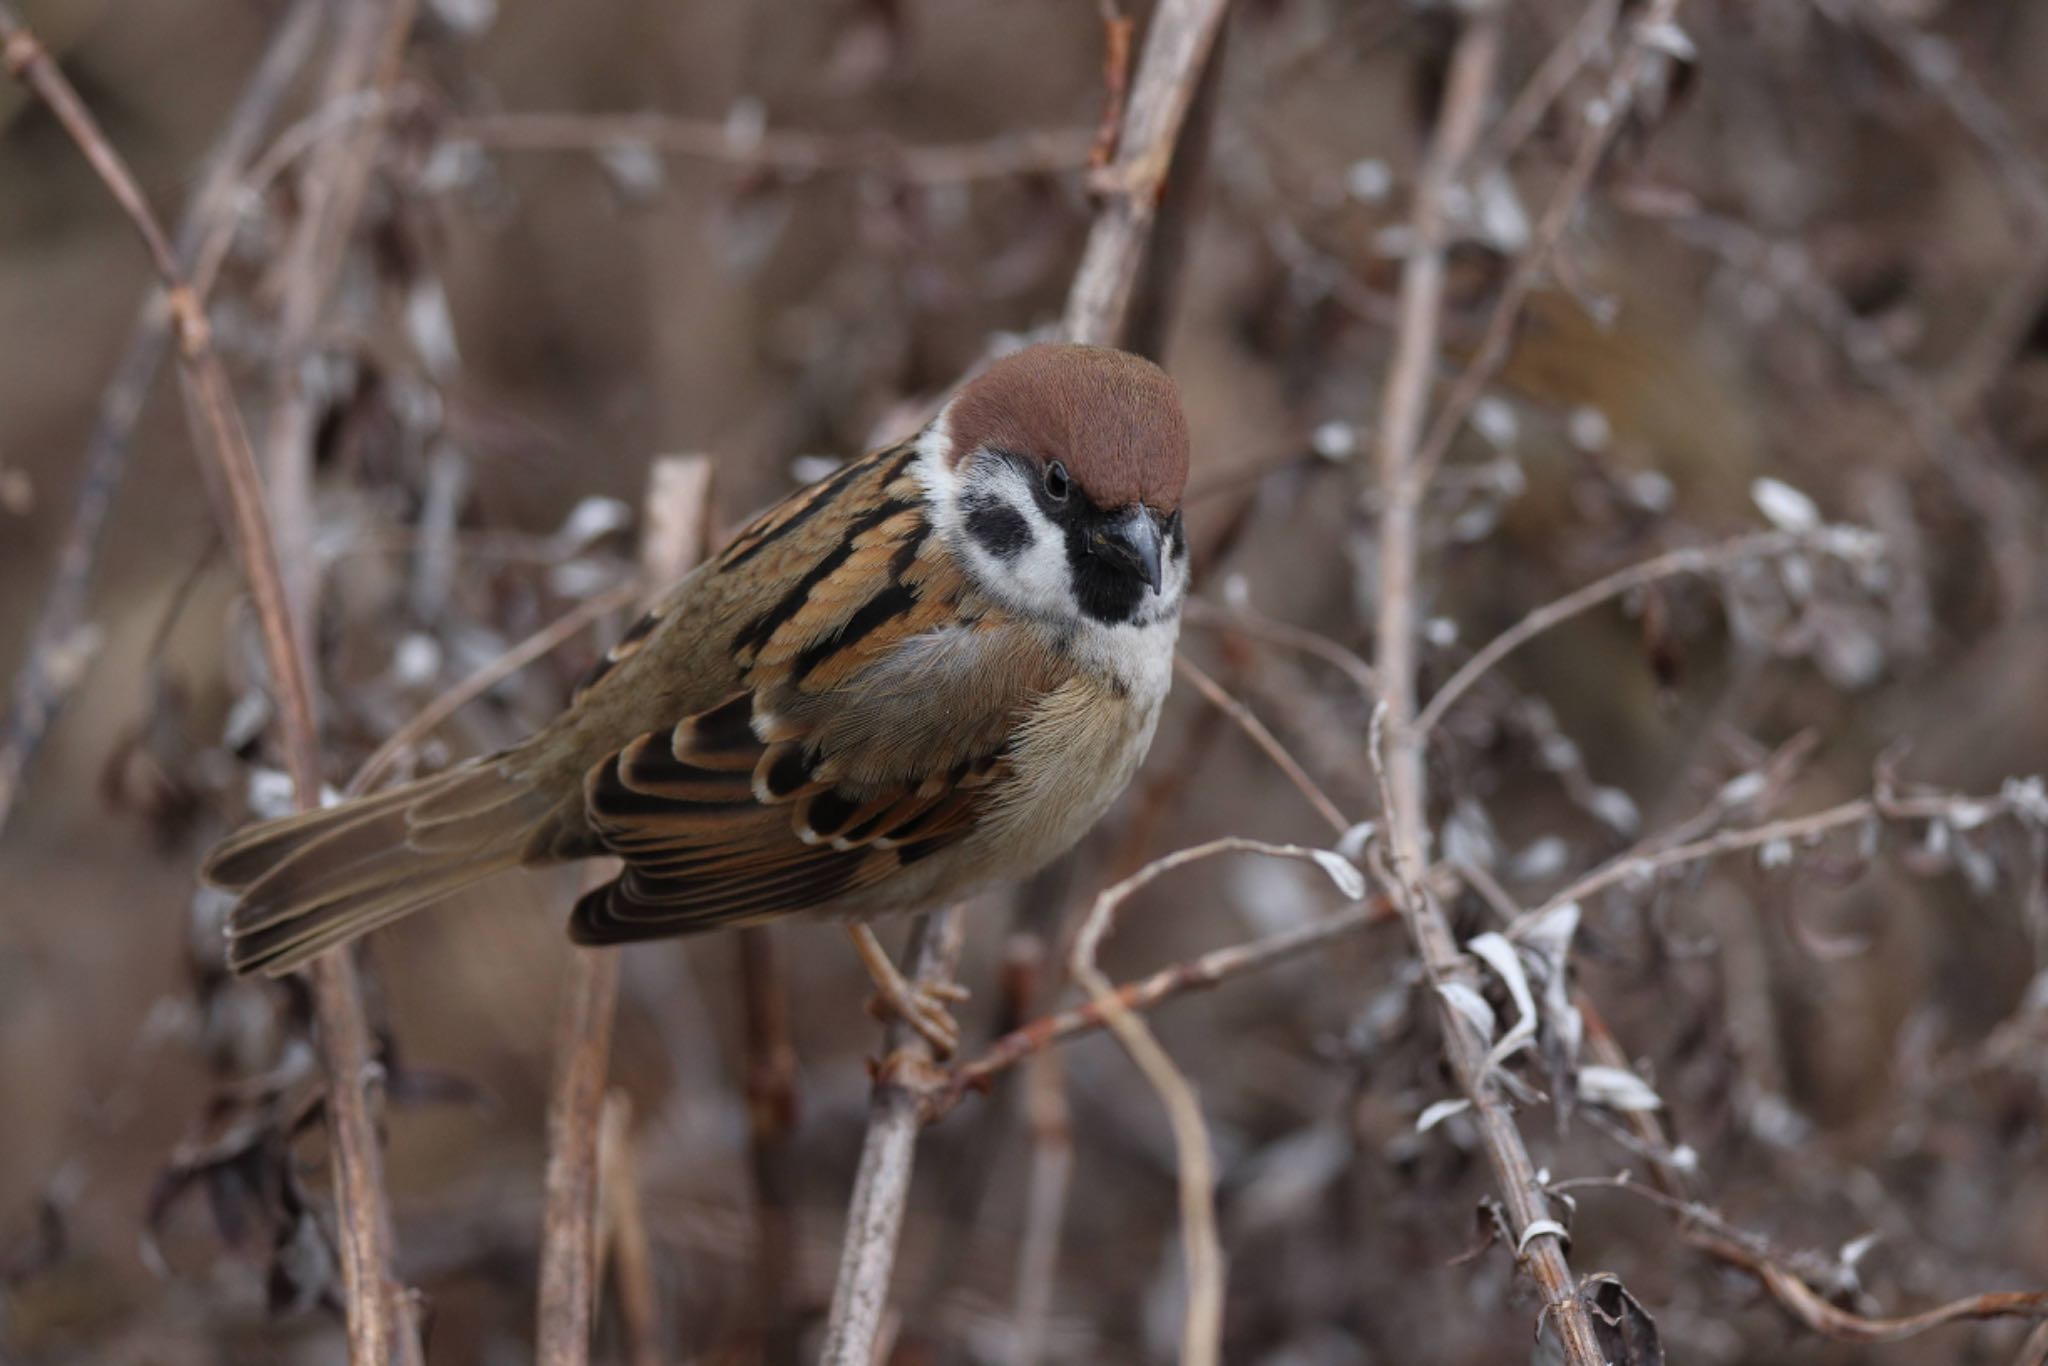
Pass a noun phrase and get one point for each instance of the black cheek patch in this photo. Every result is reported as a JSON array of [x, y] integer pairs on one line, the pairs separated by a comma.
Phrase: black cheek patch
[[999, 529]]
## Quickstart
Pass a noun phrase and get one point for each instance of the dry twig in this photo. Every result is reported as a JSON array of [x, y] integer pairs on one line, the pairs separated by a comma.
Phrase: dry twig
[[874, 1217], [1208, 970], [1177, 41], [379, 1325], [1712, 559], [780, 150], [1269, 745], [486, 676], [677, 525], [1714, 1235], [771, 1119], [1202, 1325], [632, 1259], [55, 657], [1403, 480], [1646, 34]]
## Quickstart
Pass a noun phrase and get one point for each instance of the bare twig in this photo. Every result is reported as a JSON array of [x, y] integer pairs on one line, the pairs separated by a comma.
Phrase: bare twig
[[771, 1119], [569, 1245], [1713, 1235], [1642, 865], [1711, 559], [1241, 716], [786, 152], [1494, 345], [1045, 1205], [632, 1259], [53, 661], [1977, 470], [379, 1324], [1199, 612], [1587, 40], [367, 44], [1178, 39], [1403, 477], [1208, 970], [677, 526], [1202, 1326], [488, 675], [874, 1218], [1177, 42]]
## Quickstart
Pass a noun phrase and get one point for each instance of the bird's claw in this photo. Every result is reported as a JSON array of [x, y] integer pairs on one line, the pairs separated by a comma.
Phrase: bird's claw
[[923, 1006]]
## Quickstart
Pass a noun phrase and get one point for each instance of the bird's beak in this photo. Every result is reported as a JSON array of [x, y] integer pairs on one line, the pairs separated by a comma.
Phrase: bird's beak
[[1131, 541]]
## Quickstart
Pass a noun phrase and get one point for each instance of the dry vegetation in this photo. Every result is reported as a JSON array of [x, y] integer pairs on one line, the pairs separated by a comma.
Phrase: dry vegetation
[[1608, 746]]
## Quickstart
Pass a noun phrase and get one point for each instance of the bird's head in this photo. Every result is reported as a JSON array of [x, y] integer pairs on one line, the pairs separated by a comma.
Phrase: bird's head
[[1057, 476]]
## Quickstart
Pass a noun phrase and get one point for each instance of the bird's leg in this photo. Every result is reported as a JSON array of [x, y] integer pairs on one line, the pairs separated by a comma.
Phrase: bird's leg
[[922, 1006]]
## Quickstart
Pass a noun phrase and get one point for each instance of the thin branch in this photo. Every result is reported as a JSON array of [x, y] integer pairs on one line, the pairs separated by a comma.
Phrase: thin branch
[[487, 676], [1841, 541], [1199, 612], [1403, 481], [632, 1258], [1045, 1204], [1976, 468], [569, 1245], [1202, 1325], [379, 1325], [56, 655], [1640, 866], [1613, 108], [367, 44], [1587, 40], [676, 527], [874, 1217], [1177, 43], [771, 1119], [1715, 1236], [789, 153], [1241, 716], [1208, 970]]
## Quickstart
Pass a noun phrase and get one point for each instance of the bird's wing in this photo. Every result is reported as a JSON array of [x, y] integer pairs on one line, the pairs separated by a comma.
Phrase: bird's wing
[[874, 698]]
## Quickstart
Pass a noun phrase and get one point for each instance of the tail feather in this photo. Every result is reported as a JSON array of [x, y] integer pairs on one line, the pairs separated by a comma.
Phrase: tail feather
[[318, 879]]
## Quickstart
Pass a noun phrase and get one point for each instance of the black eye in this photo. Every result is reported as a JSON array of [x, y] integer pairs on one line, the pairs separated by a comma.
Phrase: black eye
[[1057, 485]]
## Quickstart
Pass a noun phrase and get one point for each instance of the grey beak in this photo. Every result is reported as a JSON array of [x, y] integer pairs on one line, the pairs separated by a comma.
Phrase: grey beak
[[1131, 541]]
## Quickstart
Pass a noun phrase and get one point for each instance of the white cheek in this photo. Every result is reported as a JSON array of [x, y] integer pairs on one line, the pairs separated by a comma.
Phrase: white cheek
[[1039, 577], [1037, 580]]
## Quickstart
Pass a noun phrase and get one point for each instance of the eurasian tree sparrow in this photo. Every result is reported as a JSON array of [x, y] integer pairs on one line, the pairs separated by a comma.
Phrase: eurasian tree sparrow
[[930, 671]]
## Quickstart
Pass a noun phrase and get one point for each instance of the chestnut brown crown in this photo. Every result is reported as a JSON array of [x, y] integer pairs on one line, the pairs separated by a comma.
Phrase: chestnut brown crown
[[1112, 418]]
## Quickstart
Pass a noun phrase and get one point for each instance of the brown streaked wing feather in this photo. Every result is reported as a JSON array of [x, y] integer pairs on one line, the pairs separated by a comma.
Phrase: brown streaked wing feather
[[858, 774]]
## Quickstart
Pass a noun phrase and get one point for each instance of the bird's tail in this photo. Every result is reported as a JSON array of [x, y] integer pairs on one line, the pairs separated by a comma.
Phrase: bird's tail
[[309, 882]]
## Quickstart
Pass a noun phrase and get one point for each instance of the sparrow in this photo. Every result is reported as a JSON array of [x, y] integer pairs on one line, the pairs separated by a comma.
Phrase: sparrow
[[931, 671]]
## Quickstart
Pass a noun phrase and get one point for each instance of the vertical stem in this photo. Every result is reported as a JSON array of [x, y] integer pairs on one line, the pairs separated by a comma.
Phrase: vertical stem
[[676, 512], [874, 1219], [771, 1117], [1402, 484]]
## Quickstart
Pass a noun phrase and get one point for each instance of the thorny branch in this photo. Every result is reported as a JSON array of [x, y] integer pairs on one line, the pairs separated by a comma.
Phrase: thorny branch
[[1403, 480], [379, 1320]]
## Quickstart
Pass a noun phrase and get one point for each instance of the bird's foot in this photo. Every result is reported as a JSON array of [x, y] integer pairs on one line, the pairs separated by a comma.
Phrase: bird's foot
[[921, 1005]]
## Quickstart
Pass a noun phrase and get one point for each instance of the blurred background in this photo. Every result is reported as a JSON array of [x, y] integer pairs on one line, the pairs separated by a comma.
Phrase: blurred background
[[1816, 253]]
